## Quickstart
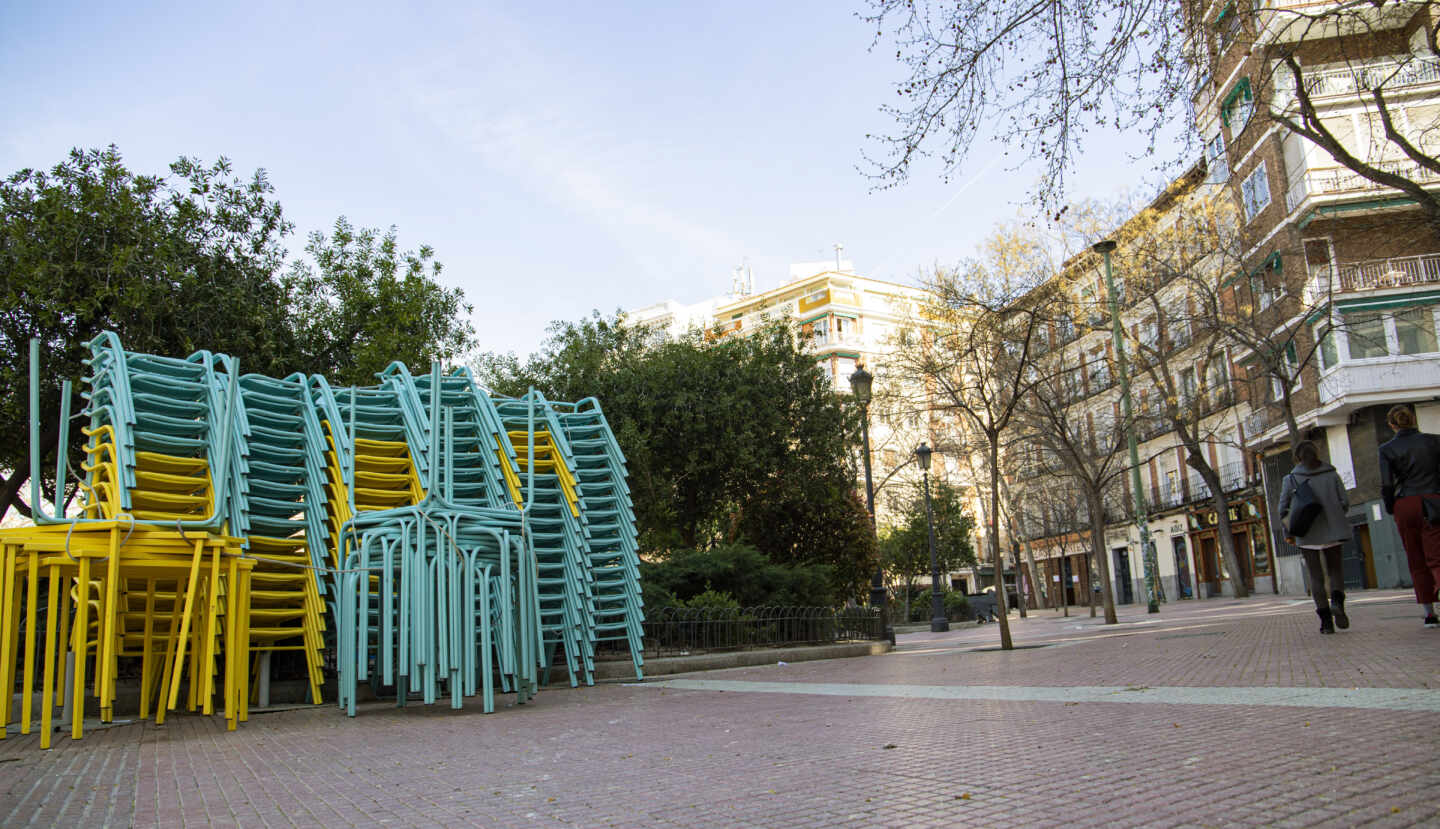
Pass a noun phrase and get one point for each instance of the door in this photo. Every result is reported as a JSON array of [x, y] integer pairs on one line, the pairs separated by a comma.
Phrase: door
[[1209, 566], [1066, 584], [1352, 556], [1241, 539], [1182, 569], [1124, 588]]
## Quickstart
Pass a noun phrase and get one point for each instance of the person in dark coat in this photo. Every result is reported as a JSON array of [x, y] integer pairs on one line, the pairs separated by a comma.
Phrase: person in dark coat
[[1321, 542], [1409, 475]]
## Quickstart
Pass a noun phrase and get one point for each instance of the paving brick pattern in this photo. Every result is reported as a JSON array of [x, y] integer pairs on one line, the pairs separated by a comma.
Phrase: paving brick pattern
[[649, 755]]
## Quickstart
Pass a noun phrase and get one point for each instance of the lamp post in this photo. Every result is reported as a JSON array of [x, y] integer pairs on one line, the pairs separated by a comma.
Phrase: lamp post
[[860, 387], [938, 622], [1142, 523]]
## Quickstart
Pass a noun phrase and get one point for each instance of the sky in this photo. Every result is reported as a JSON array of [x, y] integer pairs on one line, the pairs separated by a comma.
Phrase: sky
[[560, 158]]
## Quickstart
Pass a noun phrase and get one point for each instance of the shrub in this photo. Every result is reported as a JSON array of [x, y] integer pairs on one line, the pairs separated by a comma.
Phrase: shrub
[[957, 606], [739, 571]]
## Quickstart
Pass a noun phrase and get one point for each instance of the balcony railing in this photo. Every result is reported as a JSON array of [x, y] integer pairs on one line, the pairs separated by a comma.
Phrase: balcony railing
[[1261, 421], [1233, 478], [1391, 273], [1329, 181], [1386, 75]]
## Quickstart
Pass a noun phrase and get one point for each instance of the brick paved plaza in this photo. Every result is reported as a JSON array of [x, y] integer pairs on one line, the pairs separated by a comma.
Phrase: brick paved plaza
[[1213, 713]]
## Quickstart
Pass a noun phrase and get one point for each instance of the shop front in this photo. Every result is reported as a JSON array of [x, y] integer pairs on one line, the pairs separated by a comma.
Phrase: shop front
[[1250, 533]]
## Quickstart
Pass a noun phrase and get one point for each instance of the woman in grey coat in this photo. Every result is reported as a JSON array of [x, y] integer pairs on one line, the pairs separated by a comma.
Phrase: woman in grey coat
[[1321, 541]]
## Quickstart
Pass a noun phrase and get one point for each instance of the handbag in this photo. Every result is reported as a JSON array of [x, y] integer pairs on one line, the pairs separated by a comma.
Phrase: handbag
[[1304, 508]]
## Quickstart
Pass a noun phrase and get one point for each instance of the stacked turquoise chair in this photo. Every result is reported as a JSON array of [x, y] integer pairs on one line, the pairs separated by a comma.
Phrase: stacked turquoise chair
[[556, 528], [613, 555]]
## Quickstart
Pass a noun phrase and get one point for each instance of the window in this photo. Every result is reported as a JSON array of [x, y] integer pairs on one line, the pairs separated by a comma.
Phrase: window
[[1326, 337], [1187, 384], [818, 331], [1228, 23], [844, 329], [1367, 336], [1216, 161], [1099, 372], [1219, 374], [1415, 330], [1255, 192], [1239, 105], [1064, 329]]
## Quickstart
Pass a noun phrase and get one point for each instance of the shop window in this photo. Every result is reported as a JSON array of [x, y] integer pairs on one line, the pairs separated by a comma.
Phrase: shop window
[[1415, 330]]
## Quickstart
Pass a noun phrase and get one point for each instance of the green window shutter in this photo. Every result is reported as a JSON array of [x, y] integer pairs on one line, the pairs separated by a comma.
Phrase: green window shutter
[[1241, 91]]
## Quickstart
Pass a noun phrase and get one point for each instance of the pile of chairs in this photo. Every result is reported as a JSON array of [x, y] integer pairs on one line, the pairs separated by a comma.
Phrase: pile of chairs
[[431, 539]]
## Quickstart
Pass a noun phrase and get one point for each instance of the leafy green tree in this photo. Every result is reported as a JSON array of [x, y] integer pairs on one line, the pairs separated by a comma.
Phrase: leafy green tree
[[704, 427], [361, 303], [798, 525], [193, 261], [905, 549]]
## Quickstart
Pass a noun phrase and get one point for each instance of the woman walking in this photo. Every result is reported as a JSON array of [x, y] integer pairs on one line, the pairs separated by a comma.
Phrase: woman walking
[[1409, 476], [1313, 490]]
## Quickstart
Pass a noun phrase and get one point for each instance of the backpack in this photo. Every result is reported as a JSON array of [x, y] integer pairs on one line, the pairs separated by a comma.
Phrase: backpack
[[1304, 508]]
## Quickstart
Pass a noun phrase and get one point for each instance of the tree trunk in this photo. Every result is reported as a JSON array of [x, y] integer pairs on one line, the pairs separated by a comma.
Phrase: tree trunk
[[1042, 589], [1091, 589], [997, 560], [1097, 549]]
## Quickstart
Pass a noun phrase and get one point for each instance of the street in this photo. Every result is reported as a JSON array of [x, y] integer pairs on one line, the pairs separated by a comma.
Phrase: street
[[1214, 713]]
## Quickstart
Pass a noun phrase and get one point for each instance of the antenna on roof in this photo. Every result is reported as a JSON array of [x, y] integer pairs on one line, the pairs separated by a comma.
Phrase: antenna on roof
[[838, 248]]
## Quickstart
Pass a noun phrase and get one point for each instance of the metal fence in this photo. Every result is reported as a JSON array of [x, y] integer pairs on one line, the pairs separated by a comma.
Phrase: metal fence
[[685, 631]]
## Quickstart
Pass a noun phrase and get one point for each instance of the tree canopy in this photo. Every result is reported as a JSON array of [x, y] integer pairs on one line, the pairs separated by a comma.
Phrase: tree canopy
[[1047, 75], [193, 260], [742, 439]]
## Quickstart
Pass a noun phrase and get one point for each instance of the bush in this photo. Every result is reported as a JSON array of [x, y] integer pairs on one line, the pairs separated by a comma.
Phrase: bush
[[740, 572], [957, 606], [713, 599]]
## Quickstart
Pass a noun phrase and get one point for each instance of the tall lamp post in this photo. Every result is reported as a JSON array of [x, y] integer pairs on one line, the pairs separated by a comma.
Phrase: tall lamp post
[[860, 387], [1142, 522], [938, 622]]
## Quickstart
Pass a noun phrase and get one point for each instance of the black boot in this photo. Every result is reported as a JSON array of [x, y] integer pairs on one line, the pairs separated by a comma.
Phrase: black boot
[[1337, 607], [1327, 624]]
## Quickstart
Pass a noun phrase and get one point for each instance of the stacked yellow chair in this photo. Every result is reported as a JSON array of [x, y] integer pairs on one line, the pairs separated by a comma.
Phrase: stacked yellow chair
[[146, 569]]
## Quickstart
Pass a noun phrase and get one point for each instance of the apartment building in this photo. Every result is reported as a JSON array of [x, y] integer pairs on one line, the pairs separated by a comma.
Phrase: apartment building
[[1178, 367], [1353, 259], [846, 320]]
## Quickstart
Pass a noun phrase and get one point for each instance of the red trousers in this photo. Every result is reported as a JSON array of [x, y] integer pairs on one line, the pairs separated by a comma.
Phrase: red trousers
[[1422, 546]]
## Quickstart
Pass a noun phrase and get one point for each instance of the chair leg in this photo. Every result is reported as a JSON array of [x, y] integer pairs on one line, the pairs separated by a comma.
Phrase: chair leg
[[79, 642], [47, 691], [32, 596]]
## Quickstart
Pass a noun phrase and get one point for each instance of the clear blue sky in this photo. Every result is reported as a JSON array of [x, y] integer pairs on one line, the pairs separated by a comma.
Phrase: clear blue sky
[[559, 157]]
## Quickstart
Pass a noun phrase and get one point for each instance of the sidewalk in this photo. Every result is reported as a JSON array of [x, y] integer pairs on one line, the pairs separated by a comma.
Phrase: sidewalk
[[1213, 713]]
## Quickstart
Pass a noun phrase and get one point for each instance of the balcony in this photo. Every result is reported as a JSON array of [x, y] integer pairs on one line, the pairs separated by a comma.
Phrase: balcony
[[1350, 382], [1349, 80], [1324, 182], [1291, 21], [1233, 478], [1261, 421], [1399, 272]]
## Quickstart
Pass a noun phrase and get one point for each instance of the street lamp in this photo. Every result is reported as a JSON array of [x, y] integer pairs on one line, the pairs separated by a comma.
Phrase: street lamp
[[938, 622], [1147, 549], [860, 387]]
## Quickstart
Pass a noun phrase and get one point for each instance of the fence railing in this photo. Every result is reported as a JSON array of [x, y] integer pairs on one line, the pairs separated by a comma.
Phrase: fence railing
[[1320, 181], [686, 631]]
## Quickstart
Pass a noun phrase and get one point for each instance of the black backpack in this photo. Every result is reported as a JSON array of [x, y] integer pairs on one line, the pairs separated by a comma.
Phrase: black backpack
[[1304, 508]]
